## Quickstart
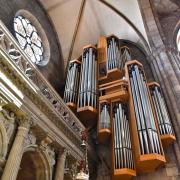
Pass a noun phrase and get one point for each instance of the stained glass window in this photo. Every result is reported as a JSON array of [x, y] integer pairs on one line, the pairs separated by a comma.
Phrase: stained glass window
[[28, 39]]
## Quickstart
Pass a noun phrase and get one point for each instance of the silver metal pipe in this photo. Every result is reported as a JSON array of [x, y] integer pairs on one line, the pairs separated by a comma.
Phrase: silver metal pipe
[[86, 78], [138, 116], [95, 84], [159, 117], [119, 116], [81, 89], [89, 76], [93, 80], [165, 113], [145, 110], [141, 113], [117, 141]]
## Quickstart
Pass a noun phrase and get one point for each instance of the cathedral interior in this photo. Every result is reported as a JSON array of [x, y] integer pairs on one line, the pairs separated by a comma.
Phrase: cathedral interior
[[89, 89]]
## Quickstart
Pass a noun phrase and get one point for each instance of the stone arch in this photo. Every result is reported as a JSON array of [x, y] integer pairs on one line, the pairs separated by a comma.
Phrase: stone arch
[[3, 143], [35, 165], [175, 33]]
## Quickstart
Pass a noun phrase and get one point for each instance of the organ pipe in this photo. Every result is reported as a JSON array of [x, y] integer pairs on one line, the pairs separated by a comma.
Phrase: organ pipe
[[147, 132], [122, 142], [72, 82], [104, 116], [113, 52], [125, 56], [163, 118], [88, 82]]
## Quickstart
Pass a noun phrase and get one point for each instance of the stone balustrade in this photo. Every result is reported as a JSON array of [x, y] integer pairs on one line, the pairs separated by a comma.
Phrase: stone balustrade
[[46, 98]]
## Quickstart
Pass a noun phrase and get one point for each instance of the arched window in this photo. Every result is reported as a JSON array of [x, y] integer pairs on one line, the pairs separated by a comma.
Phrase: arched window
[[31, 37], [178, 40], [28, 39]]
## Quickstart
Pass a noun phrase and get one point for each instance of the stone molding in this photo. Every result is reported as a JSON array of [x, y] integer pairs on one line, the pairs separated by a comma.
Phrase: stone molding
[[25, 76]]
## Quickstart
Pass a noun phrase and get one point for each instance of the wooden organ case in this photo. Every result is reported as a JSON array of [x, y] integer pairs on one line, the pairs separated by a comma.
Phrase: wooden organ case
[[107, 87], [163, 118]]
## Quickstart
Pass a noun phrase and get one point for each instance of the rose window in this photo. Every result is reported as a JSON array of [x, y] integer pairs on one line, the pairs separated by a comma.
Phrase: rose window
[[28, 39]]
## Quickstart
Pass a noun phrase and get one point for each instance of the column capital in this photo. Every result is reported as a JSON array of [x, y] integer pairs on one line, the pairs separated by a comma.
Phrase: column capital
[[25, 122], [62, 153]]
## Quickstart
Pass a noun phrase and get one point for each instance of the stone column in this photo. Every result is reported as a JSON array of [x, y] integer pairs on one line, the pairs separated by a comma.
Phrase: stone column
[[14, 159], [59, 175]]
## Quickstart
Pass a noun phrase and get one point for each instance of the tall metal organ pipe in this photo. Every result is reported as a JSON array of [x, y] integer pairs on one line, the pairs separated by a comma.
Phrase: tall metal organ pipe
[[113, 52], [104, 116], [72, 82], [164, 123], [122, 142], [88, 82], [147, 132]]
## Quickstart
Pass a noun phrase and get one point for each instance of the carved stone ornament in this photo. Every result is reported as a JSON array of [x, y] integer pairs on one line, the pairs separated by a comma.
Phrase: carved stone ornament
[[45, 142], [24, 122], [51, 154], [30, 139], [48, 149], [2, 102], [9, 122]]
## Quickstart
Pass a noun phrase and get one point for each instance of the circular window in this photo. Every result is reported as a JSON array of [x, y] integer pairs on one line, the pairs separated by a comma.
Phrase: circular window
[[178, 40], [30, 38]]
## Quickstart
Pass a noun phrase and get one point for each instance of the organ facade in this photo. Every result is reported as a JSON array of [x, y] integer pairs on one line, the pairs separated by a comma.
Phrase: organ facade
[[132, 116], [89, 90]]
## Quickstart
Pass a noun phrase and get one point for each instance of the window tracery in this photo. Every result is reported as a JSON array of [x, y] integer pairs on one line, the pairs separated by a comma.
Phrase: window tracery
[[29, 39]]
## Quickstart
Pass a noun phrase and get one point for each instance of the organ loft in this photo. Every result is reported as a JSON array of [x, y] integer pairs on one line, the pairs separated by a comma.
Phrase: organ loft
[[89, 90]]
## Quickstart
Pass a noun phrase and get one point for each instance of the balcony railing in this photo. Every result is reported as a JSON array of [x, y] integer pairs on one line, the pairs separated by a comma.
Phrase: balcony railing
[[68, 123]]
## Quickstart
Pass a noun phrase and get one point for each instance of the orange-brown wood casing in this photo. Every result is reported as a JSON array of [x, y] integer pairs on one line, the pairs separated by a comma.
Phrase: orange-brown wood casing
[[148, 162]]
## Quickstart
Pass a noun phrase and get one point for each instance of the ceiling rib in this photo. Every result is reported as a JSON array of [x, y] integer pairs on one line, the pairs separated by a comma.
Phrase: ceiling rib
[[76, 31], [127, 20]]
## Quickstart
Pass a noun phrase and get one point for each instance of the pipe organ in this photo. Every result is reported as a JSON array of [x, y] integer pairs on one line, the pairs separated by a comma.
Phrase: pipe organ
[[125, 56], [113, 51], [104, 121], [147, 131], [111, 89], [122, 148], [87, 99], [163, 118], [72, 84]]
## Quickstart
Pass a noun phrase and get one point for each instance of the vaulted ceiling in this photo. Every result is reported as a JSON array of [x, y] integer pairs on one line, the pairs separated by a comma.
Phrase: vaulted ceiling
[[81, 22]]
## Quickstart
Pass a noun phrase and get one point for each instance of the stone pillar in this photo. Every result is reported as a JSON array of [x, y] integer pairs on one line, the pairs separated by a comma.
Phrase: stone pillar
[[14, 159], [59, 175]]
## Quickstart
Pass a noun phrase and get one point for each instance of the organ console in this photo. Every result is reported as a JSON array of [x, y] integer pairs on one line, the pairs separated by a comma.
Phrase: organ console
[[110, 88]]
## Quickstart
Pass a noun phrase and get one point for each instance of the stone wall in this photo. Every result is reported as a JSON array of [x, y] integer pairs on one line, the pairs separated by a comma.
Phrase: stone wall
[[54, 70]]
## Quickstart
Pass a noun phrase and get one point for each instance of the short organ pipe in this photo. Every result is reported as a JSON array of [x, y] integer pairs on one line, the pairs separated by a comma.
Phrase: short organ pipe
[[104, 116], [113, 52], [125, 56]]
